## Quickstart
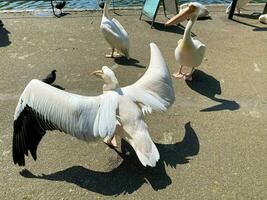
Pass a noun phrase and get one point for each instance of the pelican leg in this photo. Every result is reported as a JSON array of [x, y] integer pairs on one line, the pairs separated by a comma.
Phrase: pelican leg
[[111, 55], [111, 142], [188, 77], [179, 74], [116, 54]]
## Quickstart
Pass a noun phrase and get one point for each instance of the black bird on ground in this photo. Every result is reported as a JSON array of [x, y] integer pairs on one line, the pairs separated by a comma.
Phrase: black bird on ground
[[101, 4], [50, 79], [59, 5]]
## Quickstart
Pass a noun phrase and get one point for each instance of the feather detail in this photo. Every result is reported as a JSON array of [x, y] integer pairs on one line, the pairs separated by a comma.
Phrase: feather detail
[[73, 114], [154, 89], [136, 132], [105, 122]]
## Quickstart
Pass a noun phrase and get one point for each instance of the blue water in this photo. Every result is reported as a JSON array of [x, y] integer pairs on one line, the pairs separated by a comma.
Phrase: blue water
[[85, 4]]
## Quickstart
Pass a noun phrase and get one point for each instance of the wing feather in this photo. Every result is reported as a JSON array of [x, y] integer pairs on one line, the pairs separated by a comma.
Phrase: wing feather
[[42, 107], [135, 132], [115, 34], [112, 34], [104, 124], [28, 132], [154, 90], [122, 30]]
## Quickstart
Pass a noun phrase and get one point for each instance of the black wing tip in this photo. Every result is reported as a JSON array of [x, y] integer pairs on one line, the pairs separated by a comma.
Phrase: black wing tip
[[27, 133], [18, 158], [21, 164]]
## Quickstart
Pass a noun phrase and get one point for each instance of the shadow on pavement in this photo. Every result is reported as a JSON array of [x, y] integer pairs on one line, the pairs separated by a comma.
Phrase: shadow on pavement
[[130, 175], [124, 61], [4, 38], [179, 29], [255, 28], [254, 15], [208, 86]]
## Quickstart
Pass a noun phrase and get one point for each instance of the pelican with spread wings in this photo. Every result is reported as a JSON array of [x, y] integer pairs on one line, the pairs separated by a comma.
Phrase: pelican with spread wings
[[118, 112]]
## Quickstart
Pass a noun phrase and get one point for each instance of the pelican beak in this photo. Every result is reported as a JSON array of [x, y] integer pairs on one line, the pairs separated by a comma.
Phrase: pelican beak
[[98, 73], [184, 15]]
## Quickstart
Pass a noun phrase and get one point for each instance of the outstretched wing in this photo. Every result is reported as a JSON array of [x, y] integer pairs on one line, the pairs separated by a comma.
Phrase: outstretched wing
[[42, 107], [154, 90], [136, 132]]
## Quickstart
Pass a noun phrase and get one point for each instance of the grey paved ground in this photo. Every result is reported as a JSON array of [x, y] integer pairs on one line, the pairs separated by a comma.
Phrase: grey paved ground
[[212, 141]]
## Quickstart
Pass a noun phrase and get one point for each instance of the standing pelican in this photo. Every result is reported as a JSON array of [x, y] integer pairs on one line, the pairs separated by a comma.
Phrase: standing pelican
[[114, 33], [42, 107], [240, 4], [189, 52]]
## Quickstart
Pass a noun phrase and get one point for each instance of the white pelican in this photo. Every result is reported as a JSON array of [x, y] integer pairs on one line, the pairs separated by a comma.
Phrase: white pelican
[[263, 18], [42, 107], [240, 4], [114, 33], [189, 52]]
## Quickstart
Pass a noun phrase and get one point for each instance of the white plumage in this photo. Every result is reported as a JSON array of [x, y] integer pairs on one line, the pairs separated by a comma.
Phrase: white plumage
[[114, 33], [189, 51], [263, 18], [42, 107]]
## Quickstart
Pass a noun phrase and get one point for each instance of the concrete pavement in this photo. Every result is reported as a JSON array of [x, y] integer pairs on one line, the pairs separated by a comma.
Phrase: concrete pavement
[[212, 141]]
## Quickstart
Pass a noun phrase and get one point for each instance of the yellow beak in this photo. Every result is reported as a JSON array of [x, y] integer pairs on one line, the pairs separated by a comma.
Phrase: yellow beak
[[97, 73], [184, 15]]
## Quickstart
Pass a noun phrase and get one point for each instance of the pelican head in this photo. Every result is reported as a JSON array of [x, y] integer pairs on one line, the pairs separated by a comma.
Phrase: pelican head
[[109, 78], [192, 11]]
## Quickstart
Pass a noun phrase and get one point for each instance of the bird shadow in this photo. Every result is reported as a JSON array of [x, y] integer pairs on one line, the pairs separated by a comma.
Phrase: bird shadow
[[115, 12], [209, 87], [254, 15], [180, 152], [255, 28], [204, 18], [172, 29], [260, 29], [58, 86], [130, 175], [4, 38], [61, 15], [124, 61]]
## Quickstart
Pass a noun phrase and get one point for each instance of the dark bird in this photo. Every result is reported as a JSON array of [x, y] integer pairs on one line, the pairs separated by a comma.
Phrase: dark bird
[[101, 4], [59, 5], [50, 78]]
